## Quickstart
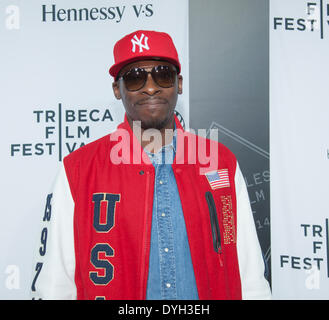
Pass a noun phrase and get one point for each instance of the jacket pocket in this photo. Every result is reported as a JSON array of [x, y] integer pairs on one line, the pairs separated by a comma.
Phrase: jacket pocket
[[215, 231]]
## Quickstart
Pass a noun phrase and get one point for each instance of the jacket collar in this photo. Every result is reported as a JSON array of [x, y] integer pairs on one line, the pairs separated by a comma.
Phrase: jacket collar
[[131, 150]]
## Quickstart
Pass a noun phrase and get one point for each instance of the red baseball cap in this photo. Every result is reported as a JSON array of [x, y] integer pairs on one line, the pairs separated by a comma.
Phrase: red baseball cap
[[141, 45]]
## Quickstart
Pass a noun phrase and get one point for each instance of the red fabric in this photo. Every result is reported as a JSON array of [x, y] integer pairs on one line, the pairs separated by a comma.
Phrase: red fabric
[[90, 171], [153, 44]]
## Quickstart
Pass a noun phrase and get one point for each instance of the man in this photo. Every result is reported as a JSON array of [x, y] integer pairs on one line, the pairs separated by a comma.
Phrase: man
[[139, 214]]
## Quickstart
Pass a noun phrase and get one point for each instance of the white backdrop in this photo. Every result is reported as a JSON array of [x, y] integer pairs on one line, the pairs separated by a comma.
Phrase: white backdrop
[[56, 94], [299, 131]]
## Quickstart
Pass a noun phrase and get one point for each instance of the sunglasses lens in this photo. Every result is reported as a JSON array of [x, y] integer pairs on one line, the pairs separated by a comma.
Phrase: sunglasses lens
[[135, 79], [164, 76]]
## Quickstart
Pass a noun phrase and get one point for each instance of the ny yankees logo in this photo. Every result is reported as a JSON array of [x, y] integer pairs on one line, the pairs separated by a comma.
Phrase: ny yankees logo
[[138, 42]]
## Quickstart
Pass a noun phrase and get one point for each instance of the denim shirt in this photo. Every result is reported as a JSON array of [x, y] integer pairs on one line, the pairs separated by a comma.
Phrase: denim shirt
[[171, 274]]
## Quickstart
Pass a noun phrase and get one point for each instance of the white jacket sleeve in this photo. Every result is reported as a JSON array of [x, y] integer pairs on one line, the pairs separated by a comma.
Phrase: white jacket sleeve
[[54, 267], [251, 263]]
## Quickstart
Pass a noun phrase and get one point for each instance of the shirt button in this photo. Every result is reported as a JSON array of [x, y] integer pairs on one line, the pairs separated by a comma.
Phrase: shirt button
[[166, 249], [161, 182], [168, 285], [163, 214]]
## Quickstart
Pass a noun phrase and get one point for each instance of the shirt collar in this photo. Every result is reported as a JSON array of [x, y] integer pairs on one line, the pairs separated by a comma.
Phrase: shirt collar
[[169, 150]]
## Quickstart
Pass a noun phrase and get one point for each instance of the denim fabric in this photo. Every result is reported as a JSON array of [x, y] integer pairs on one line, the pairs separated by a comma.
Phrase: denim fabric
[[171, 274]]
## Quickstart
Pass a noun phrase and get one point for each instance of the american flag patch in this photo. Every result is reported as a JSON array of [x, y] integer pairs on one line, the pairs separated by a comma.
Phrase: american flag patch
[[218, 179]]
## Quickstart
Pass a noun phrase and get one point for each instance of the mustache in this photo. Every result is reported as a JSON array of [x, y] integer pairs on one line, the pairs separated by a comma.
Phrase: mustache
[[152, 101]]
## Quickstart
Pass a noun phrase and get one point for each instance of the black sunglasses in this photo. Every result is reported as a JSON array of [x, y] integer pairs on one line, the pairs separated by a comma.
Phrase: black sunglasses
[[135, 78]]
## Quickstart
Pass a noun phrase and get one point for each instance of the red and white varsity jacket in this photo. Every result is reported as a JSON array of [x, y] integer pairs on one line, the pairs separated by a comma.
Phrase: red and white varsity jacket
[[96, 228]]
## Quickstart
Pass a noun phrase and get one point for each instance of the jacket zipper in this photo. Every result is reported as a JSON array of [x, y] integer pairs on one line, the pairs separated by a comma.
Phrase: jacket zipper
[[146, 245], [215, 231]]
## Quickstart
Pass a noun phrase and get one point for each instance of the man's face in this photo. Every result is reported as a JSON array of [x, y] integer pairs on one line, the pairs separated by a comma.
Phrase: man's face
[[153, 105]]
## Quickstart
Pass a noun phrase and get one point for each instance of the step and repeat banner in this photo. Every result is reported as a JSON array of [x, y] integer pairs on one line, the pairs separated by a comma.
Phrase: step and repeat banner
[[299, 147], [56, 95]]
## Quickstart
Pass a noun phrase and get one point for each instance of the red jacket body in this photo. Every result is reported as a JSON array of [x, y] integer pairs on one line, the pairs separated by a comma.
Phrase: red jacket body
[[106, 207]]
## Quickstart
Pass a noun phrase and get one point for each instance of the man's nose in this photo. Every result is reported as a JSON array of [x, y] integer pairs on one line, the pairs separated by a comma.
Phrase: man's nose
[[151, 88]]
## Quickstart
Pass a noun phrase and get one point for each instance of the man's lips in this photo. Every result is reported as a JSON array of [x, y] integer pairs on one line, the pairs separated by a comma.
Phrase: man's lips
[[151, 102]]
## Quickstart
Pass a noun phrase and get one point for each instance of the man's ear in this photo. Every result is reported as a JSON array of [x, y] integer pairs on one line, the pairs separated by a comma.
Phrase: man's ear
[[116, 89], [180, 84]]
